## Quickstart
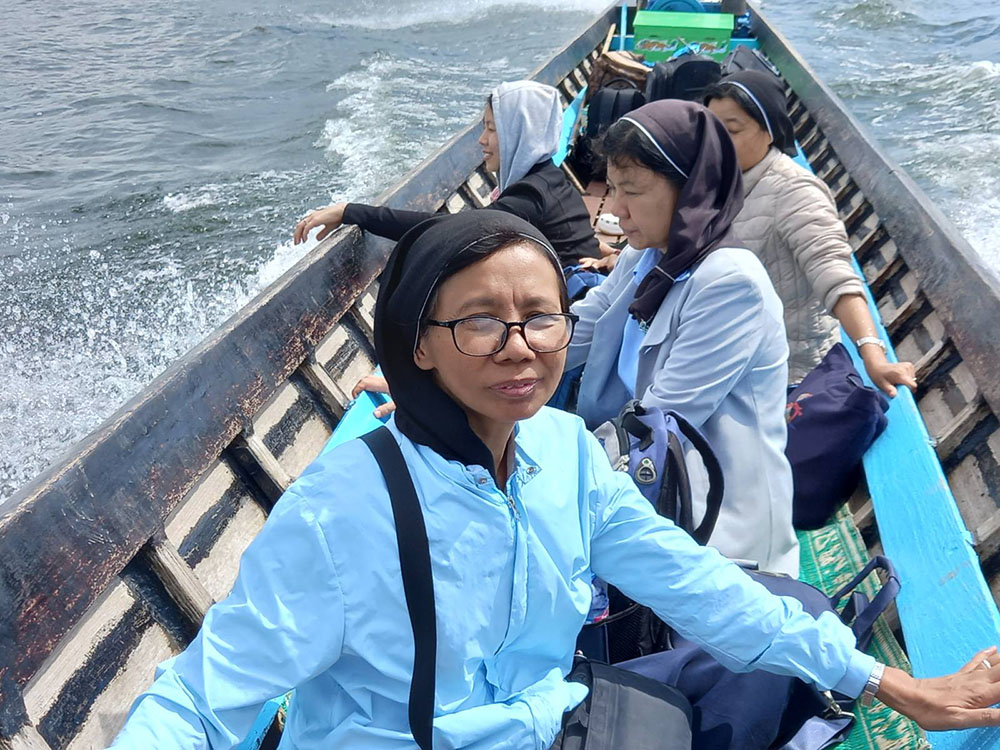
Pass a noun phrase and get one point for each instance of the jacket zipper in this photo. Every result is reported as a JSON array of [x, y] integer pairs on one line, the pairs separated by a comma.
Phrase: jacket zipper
[[513, 507]]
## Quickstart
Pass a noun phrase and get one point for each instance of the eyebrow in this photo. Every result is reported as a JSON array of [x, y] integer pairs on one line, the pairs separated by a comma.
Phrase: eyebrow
[[487, 302]]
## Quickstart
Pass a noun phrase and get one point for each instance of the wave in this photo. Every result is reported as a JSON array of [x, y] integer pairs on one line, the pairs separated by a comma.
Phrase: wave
[[181, 202], [392, 113], [375, 16]]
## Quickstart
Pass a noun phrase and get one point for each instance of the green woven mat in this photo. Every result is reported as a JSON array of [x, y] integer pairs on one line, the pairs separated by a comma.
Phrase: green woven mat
[[830, 557]]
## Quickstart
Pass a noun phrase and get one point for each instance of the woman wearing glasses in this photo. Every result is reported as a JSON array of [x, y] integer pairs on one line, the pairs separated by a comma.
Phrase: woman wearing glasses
[[520, 505]]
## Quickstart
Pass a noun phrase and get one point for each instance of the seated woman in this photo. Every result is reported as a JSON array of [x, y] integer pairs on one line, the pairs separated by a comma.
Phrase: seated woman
[[689, 321], [522, 126], [790, 222], [520, 505]]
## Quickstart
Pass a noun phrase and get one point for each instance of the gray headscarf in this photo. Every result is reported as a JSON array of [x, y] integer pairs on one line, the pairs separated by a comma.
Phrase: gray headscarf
[[528, 116]]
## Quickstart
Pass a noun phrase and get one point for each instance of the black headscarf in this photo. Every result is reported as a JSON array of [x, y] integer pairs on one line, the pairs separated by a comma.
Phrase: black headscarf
[[423, 258], [697, 144], [766, 93]]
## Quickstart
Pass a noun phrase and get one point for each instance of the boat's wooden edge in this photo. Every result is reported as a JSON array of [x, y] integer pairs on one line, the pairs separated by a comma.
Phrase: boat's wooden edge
[[961, 288], [68, 533]]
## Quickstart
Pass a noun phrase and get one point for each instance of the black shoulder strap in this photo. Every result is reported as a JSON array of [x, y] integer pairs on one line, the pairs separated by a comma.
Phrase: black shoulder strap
[[418, 581], [716, 483]]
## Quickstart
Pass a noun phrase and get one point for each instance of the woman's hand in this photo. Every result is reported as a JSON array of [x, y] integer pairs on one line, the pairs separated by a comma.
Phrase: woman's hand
[[959, 701], [887, 375], [374, 384], [604, 265], [607, 249], [329, 218]]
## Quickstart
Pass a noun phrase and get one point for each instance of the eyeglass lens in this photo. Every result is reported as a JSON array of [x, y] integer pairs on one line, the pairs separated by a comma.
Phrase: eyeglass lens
[[481, 336]]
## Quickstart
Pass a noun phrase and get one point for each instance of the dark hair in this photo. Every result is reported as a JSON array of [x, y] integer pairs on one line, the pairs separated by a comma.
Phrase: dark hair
[[624, 143], [726, 90], [481, 250]]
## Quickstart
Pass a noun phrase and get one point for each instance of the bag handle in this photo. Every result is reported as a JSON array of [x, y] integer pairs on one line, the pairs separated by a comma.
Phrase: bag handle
[[619, 79], [418, 580], [865, 619], [716, 481]]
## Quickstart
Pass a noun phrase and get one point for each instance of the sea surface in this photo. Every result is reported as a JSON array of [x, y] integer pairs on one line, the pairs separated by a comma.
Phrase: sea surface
[[155, 157]]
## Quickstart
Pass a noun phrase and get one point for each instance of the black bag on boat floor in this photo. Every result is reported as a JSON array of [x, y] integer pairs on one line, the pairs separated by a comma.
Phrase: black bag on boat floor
[[757, 710], [745, 58], [624, 709], [833, 418], [616, 98], [683, 77]]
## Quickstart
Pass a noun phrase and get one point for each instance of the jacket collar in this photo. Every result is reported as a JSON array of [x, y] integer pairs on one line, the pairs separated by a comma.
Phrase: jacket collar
[[752, 176], [524, 468]]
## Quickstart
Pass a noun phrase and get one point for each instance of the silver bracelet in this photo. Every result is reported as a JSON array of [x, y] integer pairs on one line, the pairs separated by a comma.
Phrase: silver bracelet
[[873, 684], [870, 340]]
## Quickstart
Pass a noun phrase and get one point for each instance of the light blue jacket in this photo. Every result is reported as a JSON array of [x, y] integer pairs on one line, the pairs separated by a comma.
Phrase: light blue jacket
[[716, 353], [318, 605]]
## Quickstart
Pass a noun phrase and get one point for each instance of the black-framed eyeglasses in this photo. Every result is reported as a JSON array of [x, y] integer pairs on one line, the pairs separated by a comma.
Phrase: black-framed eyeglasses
[[484, 335]]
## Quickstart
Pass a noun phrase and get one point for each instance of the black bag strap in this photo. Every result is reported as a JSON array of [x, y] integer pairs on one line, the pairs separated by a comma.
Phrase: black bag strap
[[864, 618], [418, 581], [716, 483]]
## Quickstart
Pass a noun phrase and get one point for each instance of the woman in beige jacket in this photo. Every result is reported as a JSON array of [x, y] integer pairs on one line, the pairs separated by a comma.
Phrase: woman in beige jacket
[[790, 222]]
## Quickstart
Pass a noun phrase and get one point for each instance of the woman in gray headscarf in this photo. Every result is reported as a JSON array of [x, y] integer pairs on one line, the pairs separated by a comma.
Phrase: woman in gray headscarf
[[522, 128]]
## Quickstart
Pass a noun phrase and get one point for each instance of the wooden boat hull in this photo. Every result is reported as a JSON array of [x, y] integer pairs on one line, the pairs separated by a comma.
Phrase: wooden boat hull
[[110, 559]]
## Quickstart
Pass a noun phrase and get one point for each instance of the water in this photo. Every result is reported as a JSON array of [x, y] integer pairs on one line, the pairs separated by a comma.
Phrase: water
[[153, 159]]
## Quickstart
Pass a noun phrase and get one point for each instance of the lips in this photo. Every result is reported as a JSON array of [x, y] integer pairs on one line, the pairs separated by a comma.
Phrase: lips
[[515, 389]]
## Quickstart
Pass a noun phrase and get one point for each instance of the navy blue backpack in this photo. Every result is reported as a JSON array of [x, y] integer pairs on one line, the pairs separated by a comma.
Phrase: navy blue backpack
[[833, 418]]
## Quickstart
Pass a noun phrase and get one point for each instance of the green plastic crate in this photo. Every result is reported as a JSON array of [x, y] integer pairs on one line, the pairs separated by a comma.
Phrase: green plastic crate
[[659, 34]]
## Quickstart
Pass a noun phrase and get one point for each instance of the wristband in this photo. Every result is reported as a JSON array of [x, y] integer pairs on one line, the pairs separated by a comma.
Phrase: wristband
[[873, 684], [870, 340]]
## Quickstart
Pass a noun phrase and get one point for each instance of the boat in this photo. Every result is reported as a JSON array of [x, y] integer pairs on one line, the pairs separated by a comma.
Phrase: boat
[[110, 559]]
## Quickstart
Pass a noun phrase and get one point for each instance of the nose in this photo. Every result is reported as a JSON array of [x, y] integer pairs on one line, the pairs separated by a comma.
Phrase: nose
[[482, 138], [516, 348], [616, 206]]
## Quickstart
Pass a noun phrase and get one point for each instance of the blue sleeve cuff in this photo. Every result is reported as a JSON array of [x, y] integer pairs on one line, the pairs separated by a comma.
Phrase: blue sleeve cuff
[[858, 671]]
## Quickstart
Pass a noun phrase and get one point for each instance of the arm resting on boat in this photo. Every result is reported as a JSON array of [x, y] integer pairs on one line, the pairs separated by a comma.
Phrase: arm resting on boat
[[720, 330], [391, 223], [709, 599], [282, 624]]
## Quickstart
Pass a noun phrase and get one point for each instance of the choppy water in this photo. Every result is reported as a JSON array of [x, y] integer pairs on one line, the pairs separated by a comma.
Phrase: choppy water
[[153, 158]]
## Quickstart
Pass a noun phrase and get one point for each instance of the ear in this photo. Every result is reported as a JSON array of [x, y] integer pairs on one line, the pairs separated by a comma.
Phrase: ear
[[421, 357]]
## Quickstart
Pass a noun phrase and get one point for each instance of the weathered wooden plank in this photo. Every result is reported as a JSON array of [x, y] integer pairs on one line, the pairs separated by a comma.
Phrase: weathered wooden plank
[[323, 386], [959, 428], [191, 597], [26, 739]]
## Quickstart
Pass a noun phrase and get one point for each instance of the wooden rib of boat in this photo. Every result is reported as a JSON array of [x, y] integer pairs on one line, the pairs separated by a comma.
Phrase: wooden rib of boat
[[109, 560]]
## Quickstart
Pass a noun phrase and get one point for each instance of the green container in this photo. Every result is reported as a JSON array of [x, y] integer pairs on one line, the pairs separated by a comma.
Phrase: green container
[[659, 34]]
